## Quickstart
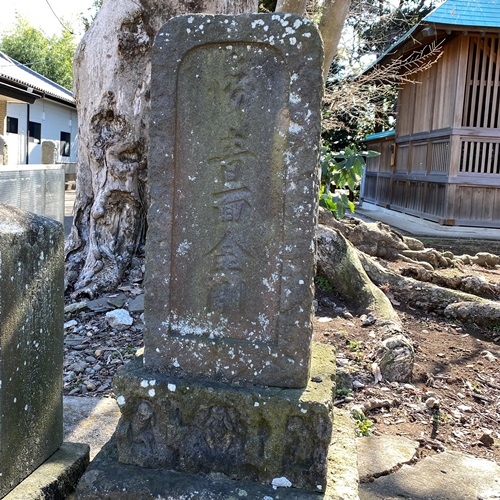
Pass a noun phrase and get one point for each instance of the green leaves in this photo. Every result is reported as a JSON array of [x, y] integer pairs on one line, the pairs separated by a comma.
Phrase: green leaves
[[52, 57], [340, 175]]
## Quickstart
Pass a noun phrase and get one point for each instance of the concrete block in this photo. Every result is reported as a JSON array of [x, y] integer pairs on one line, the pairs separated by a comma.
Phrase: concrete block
[[31, 342]]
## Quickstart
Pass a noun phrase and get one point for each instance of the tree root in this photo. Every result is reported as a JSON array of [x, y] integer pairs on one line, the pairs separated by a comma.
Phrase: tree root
[[338, 261], [470, 284], [429, 297]]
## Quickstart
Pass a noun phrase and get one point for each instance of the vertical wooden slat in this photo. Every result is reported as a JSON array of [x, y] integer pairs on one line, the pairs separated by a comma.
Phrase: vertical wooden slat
[[477, 157], [491, 157], [469, 80], [486, 157], [450, 202], [470, 156], [488, 83], [496, 166], [464, 164], [475, 78], [462, 82], [482, 157], [455, 153], [431, 156], [476, 204], [495, 115], [431, 89], [488, 207], [482, 82]]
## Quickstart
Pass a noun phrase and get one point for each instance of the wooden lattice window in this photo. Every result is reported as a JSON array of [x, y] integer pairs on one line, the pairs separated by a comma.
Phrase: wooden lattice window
[[482, 96], [440, 156], [480, 157]]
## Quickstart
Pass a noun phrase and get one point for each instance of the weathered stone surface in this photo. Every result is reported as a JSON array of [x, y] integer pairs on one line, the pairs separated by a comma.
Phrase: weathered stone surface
[[108, 479], [246, 433], [3, 151], [447, 476], [233, 175], [343, 479], [137, 304], [90, 420], [49, 152], [31, 342], [57, 477], [380, 455]]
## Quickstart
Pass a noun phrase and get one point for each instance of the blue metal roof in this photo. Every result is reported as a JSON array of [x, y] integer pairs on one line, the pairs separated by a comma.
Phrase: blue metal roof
[[381, 135], [473, 13], [477, 13]]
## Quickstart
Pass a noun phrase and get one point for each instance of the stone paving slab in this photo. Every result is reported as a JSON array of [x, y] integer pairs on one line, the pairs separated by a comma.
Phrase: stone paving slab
[[446, 476], [381, 455], [90, 420]]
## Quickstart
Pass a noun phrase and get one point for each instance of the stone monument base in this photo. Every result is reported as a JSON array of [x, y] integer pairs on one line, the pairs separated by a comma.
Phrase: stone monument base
[[57, 477], [108, 479], [185, 438]]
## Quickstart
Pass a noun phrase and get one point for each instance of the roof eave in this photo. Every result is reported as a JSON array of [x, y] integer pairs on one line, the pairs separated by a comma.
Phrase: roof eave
[[26, 90], [19, 94]]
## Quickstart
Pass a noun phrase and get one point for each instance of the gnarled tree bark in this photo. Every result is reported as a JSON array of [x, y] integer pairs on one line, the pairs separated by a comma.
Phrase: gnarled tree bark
[[112, 77]]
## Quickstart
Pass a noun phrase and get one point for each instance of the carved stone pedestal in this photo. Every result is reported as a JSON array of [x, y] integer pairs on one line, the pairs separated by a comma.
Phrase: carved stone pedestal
[[218, 436]]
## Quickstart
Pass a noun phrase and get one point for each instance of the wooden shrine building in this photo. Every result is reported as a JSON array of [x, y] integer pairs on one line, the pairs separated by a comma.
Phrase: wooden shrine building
[[442, 161]]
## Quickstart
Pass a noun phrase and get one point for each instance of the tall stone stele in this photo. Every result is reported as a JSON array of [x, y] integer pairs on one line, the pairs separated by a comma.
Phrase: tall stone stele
[[225, 387]]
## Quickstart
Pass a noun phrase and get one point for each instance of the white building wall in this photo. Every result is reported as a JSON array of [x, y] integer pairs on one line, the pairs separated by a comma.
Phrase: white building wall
[[54, 119], [16, 143]]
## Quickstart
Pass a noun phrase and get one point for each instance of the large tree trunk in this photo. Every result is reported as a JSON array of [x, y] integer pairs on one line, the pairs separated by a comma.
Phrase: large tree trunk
[[332, 21], [296, 6], [112, 77]]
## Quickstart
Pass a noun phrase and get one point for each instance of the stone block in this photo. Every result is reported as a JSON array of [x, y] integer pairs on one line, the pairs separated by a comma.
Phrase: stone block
[[57, 477], [31, 342], [108, 479], [233, 181], [250, 433]]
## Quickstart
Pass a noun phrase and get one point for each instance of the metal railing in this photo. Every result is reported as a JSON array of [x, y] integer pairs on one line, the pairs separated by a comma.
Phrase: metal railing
[[35, 188]]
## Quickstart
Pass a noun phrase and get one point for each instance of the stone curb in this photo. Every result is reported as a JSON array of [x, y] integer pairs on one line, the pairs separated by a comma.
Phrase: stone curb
[[57, 477]]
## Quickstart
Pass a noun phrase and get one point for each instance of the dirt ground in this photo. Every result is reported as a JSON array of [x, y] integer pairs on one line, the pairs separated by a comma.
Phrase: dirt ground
[[453, 400]]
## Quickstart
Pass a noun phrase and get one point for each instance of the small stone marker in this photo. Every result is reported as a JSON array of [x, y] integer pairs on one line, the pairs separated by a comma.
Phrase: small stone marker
[[49, 152], [233, 179], [3, 151]]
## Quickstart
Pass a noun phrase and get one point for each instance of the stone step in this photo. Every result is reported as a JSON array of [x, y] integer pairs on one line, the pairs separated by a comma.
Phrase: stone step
[[387, 469]]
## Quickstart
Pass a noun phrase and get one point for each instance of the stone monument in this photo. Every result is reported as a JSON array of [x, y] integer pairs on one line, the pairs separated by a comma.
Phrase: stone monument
[[3, 151], [49, 152], [31, 357], [225, 400]]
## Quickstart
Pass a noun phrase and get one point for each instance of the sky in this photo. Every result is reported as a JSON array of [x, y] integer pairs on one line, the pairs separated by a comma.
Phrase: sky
[[40, 15]]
